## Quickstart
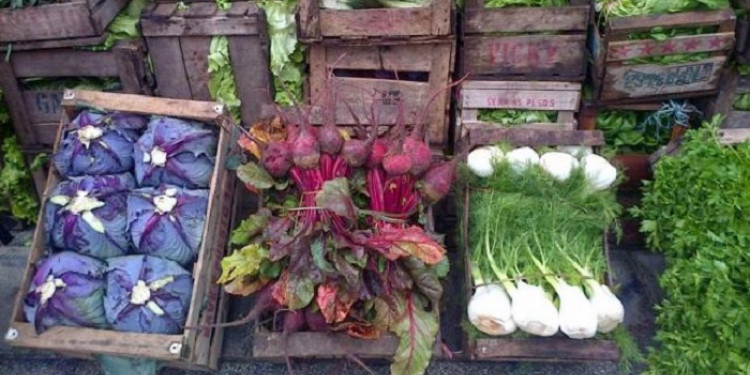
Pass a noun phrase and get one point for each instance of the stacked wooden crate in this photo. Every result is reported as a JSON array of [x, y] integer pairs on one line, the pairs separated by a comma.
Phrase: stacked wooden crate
[[179, 40], [385, 55]]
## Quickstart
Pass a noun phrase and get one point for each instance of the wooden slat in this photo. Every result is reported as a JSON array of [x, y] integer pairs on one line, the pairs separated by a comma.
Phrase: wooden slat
[[483, 135], [250, 65], [64, 63], [528, 55], [309, 19], [626, 25], [441, 17], [131, 66], [562, 125], [42, 105], [52, 21], [631, 81], [45, 133], [631, 49], [202, 111], [195, 50], [55, 43], [521, 99], [171, 78], [400, 58], [16, 104], [733, 136], [200, 10], [97, 341], [105, 12], [526, 19], [320, 345], [557, 349], [440, 73], [522, 85], [376, 22], [182, 26]]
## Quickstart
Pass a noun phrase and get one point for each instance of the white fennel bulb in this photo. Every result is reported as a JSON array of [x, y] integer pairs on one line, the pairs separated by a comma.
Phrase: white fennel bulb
[[522, 158], [600, 174], [558, 164], [576, 151], [479, 162], [533, 311], [489, 310], [609, 310], [578, 319], [497, 154]]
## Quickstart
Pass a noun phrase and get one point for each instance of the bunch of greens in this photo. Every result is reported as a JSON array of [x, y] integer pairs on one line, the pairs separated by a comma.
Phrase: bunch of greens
[[287, 54], [72, 83], [511, 117], [221, 84], [703, 231], [16, 190], [524, 3], [369, 4], [609, 9]]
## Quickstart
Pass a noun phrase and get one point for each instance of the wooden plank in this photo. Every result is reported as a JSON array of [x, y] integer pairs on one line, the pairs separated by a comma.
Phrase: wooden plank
[[182, 26], [483, 135], [734, 136], [522, 85], [103, 14], [626, 25], [64, 63], [631, 81], [360, 93], [441, 17], [438, 129], [200, 10], [737, 119], [320, 345], [45, 133], [42, 105], [52, 21], [309, 19], [250, 65], [131, 61], [16, 104], [400, 58], [171, 78], [527, 55], [55, 43], [560, 125], [631, 49], [196, 110], [556, 349], [195, 50], [521, 99], [526, 19], [97, 341], [376, 22]]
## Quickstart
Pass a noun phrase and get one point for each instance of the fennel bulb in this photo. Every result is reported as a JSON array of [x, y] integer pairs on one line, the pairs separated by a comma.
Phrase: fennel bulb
[[522, 158], [533, 311], [600, 174], [490, 310], [479, 162], [609, 310], [558, 164], [576, 151], [578, 319]]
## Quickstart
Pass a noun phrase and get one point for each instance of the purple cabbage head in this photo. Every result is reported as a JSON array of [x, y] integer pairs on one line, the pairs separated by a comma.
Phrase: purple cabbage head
[[88, 215], [147, 294], [68, 290], [176, 152], [167, 222], [95, 144]]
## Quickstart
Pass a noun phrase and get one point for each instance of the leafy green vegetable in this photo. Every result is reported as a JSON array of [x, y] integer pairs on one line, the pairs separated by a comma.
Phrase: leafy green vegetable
[[369, 4], [525, 3], [16, 191], [287, 54], [510, 117], [697, 212], [73, 83], [222, 85], [609, 9], [742, 102]]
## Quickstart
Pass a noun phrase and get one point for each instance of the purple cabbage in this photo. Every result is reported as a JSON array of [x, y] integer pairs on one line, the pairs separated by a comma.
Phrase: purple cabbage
[[168, 222], [96, 144], [176, 152], [67, 289], [88, 215], [147, 294]]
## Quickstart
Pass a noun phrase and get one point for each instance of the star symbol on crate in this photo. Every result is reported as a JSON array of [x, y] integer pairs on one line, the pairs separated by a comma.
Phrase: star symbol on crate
[[667, 47], [621, 51], [692, 44], [647, 48], [716, 42]]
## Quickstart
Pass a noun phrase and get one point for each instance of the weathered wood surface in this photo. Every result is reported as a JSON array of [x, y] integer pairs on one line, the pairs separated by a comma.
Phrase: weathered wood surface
[[631, 49], [67, 62], [482, 135], [191, 109], [58, 21], [635, 81], [171, 78], [320, 345], [526, 19], [733, 136], [521, 99], [201, 19], [549, 349], [54, 43], [316, 24]]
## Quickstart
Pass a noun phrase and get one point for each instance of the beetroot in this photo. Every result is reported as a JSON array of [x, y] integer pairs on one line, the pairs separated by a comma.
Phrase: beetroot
[[264, 303], [357, 152], [277, 159], [436, 183], [420, 155], [306, 149], [293, 321], [397, 164], [330, 139], [316, 322], [379, 149]]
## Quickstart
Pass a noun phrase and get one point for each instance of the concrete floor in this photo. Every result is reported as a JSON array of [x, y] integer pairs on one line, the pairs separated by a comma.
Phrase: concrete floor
[[636, 272]]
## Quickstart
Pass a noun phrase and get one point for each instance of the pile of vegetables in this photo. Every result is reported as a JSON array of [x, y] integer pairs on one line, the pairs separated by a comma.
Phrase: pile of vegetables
[[124, 224], [697, 213], [635, 132], [368, 4], [534, 233], [340, 243], [525, 3], [511, 117], [287, 54]]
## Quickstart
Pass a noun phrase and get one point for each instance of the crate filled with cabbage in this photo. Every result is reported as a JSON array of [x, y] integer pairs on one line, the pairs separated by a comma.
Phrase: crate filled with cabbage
[[660, 49], [126, 247], [533, 228]]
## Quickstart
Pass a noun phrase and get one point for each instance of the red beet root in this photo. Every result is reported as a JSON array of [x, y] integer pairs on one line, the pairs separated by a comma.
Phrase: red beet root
[[420, 154], [330, 139], [357, 152], [379, 149], [293, 322], [306, 149], [397, 164], [316, 321], [436, 183], [277, 158]]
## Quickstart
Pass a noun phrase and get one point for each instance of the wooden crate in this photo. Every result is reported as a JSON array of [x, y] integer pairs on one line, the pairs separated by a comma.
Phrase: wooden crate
[[533, 349], [529, 52], [432, 60], [36, 113], [66, 19], [732, 86], [317, 24], [193, 348], [179, 43], [616, 81]]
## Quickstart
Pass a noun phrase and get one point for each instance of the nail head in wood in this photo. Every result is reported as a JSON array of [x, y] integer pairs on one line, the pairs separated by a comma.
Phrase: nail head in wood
[[12, 334]]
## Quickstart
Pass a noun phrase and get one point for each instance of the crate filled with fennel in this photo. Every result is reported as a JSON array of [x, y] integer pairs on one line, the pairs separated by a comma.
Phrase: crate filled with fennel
[[526, 39], [656, 50], [534, 218], [127, 248]]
